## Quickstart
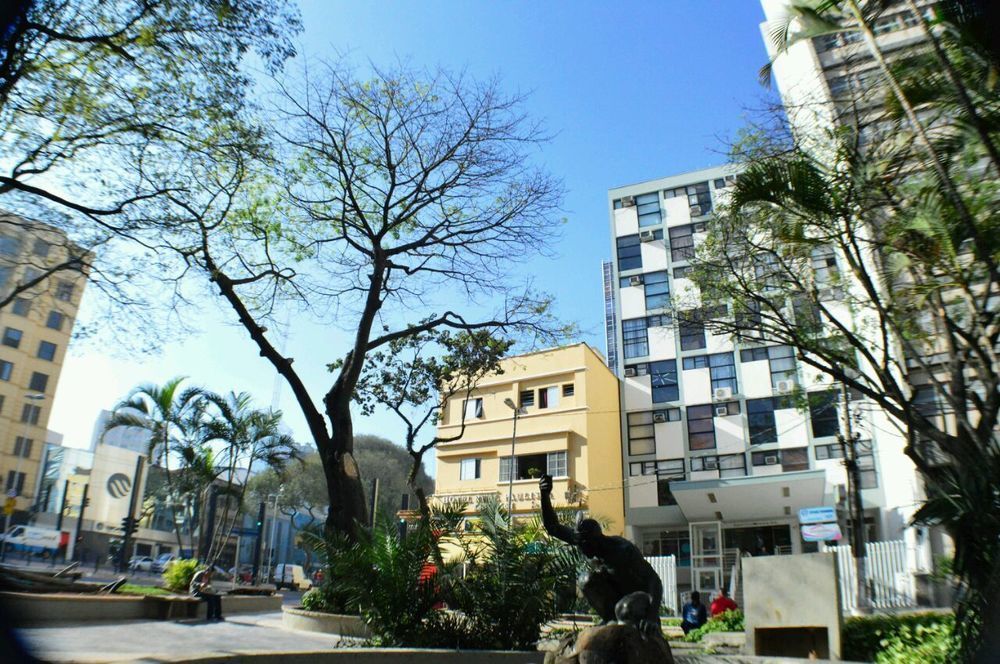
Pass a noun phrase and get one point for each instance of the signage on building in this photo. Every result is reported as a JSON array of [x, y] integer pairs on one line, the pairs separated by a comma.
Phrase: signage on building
[[817, 515], [821, 532], [119, 485]]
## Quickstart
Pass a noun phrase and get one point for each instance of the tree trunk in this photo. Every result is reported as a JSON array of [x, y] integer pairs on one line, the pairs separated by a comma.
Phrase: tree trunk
[[343, 478], [425, 518]]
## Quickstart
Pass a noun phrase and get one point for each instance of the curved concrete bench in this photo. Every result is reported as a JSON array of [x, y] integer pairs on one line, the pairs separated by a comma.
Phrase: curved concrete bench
[[295, 617]]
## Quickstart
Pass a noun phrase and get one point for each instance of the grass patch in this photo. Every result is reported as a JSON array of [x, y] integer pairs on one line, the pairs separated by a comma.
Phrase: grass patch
[[133, 589]]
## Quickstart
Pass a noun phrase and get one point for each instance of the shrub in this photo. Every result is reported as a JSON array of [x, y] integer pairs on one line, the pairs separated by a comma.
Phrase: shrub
[[862, 636], [727, 621], [177, 577], [927, 644]]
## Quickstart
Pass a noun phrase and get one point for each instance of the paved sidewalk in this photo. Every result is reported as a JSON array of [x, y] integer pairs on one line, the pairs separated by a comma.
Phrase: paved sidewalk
[[165, 641]]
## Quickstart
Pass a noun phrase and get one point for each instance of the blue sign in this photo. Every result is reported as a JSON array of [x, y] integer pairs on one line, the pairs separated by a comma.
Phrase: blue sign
[[817, 515], [245, 531]]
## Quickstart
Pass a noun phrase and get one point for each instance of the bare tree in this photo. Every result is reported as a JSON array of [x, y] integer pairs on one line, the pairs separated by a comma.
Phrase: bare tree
[[402, 192]]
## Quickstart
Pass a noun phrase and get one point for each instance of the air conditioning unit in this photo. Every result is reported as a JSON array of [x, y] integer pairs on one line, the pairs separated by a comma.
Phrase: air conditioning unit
[[711, 463], [722, 393], [628, 201], [771, 460], [635, 281], [721, 411], [785, 386], [695, 210], [630, 372], [647, 236], [659, 416]]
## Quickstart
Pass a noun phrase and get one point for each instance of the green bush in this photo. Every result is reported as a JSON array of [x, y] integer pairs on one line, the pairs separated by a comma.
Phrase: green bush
[[862, 636], [727, 621], [927, 644], [177, 577]]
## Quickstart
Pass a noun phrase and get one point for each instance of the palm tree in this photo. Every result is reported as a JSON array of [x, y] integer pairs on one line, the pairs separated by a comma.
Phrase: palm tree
[[169, 414], [246, 438]]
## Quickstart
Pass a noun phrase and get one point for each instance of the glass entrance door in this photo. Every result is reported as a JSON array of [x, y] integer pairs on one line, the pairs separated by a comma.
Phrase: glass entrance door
[[706, 556]]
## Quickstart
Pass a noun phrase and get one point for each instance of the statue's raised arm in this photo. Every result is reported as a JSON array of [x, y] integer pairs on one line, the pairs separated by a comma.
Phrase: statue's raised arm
[[549, 518]]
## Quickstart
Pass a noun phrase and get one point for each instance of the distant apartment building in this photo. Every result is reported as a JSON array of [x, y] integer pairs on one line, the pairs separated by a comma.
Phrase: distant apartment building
[[718, 458], [834, 77], [36, 328], [569, 430]]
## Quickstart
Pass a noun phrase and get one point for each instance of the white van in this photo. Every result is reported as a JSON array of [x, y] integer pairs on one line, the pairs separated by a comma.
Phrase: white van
[[292, 577], [30, 538]]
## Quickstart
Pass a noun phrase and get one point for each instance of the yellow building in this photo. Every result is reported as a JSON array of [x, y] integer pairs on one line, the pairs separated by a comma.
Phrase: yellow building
[[35, 329], [570, 429]]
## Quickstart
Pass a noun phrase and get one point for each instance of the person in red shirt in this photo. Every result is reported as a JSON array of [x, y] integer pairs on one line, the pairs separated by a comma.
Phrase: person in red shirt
[[722, 603]]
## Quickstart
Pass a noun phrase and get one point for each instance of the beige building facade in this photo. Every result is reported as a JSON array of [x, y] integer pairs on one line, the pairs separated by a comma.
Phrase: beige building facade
[[568, 428], [35, 329]]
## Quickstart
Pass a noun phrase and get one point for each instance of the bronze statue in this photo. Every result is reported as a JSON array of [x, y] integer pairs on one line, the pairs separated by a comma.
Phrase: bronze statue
[[622, 586]]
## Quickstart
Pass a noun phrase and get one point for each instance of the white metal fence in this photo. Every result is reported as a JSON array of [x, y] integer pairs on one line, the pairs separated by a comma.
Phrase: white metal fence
[[890, 582], [666, 568]]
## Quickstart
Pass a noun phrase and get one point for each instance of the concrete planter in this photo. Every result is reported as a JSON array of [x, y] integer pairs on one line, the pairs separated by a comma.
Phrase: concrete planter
[[325, 623], [38, 608], [725, 639], [381, 656]]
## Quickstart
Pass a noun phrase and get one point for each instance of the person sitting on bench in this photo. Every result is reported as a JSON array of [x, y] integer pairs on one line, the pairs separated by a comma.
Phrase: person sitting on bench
[[201, 587]]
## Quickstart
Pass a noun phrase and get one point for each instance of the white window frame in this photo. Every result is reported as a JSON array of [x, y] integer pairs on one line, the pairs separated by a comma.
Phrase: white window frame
[[472, 466]]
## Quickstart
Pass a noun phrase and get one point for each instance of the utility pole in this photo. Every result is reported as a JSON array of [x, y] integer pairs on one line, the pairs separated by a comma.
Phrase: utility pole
[[62, 513], [79, 522], [130, 517], [849, 447], [270, 543], [374, 500]]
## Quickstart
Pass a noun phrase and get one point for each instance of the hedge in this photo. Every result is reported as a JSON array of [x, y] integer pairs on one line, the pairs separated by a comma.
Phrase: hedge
[[862, 636]]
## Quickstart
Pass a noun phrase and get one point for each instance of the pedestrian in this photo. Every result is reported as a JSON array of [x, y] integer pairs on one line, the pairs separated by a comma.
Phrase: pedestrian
[[723, 603], [694, 614], [201, 587]]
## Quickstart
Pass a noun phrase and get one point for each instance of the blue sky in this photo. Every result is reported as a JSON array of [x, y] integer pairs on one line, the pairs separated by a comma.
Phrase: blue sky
[[630, 91]]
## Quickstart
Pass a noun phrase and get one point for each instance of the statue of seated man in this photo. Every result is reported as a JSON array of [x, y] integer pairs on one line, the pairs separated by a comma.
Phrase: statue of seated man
[[622, 586]]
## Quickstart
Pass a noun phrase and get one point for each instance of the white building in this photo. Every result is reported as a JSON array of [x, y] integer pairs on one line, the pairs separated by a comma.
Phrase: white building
[[717, 460]]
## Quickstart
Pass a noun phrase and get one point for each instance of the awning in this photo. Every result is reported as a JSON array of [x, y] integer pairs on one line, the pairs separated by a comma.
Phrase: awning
[[751, 498]]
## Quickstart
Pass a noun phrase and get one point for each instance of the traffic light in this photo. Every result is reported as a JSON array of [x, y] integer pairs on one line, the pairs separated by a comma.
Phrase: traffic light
[[129, 525], [86, 502]]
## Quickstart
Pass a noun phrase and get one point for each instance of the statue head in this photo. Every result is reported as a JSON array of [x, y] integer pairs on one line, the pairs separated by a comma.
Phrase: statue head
[[588, 530]]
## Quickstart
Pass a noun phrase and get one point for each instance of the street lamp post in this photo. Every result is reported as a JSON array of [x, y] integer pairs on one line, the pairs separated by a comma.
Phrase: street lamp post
[[14, 491], [513, 439]]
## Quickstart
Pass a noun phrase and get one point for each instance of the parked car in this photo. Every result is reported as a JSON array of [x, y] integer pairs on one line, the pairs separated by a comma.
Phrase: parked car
[[163, 561], [141, 564], [292, 577]]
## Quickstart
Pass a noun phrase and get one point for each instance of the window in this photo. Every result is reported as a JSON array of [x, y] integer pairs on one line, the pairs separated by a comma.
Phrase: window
[[30, 413], [722, 367], [795, 459], [675, 543], [629, 253], [824, 265], [64, 291], [770, 458], [635, 338], [555, 464], [30, 275], [659, 320], [866, 468], [767, 269], [470, 469], [823, 452], [664, 381], [823, 414], [732, 465], [9, 245], [5, 369], [504, 469], [473, 409], [703, 463], [41, 248], [548, 397], [1, 402], [640, 434], [12, 337], [22, 447], [727, 409], [39, 381], [692, 333], [657, 290], [760, 417], [667, 415], [696, 362], [15, 482], [701, 427], [526, 398], [55, 320], [648, 207], [698, 197], [682, 242], [782, 364], [668, 471], [568, 390], [21, 306], [47, 350], [683, 272], [807, 315], [748, 318]]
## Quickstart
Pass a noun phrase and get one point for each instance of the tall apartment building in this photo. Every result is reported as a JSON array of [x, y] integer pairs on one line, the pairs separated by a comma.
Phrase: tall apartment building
[[834, 76], [569, 429], [36, 329], [718, 459]]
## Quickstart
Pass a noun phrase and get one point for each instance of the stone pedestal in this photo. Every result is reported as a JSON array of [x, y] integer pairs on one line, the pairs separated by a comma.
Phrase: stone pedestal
[[614, 643]]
